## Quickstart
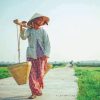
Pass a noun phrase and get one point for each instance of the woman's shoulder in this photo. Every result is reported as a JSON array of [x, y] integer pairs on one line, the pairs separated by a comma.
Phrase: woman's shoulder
[[28, 29], [43, 31]]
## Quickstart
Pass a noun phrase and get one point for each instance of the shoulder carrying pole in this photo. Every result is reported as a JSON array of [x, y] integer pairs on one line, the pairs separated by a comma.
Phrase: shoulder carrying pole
[[24, 24], [18, 42]]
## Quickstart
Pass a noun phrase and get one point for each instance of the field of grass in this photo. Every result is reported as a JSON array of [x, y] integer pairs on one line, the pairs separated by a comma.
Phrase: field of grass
[[4, 73], [88, 82]]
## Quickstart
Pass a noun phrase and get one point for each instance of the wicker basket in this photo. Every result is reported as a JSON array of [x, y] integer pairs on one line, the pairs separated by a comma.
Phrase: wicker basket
[[49, 66], [20, 72]]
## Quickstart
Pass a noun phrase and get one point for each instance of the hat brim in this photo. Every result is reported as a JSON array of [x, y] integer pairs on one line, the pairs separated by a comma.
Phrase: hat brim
[[45, 19]]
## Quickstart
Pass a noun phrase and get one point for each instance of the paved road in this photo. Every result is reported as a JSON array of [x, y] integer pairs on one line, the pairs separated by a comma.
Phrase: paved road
[[60, 84]]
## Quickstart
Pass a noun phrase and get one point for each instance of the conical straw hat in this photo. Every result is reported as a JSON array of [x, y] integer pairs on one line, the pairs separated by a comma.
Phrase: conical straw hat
[[37, 15]]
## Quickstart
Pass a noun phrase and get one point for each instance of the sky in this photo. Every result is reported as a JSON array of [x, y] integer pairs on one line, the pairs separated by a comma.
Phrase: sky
[[74, 28]]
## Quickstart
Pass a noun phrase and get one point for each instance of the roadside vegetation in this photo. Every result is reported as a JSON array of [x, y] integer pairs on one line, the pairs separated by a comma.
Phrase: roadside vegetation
[[59, 65], [88, 82], [4, 73]]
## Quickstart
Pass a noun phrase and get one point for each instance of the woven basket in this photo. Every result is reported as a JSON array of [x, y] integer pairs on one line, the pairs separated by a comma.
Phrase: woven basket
[[20, 72], [49, 66]]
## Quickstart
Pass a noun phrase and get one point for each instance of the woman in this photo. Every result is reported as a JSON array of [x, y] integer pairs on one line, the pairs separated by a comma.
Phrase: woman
[[37, 51]]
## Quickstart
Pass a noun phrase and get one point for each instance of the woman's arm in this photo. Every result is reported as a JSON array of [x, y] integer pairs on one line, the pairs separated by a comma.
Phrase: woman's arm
[[46, 44], [23, 25], [22, 32]]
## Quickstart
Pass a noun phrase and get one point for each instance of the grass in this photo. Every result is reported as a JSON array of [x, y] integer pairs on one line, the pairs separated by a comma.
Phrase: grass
[[88, 82], [4, 73], [58, 66]]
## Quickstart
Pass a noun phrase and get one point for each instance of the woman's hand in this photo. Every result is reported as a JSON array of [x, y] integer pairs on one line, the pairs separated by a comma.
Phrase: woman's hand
[[45, 57], [21, 23]]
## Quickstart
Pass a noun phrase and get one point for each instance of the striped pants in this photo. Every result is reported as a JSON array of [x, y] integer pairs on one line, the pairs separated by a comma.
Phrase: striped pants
[[36, 74]]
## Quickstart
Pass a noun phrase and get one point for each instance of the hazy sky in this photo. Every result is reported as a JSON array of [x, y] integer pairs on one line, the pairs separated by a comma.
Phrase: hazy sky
[[74, 28]]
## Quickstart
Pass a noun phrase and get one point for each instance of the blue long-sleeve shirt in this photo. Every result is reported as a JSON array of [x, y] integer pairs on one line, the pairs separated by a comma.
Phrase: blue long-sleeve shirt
[[33, 36]]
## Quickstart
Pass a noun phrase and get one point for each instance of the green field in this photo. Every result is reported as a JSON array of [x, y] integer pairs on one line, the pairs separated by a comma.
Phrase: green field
[[4, 73], [88, 82]]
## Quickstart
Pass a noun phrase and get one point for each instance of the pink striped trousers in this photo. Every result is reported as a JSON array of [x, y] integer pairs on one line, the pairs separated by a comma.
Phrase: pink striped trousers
[[38, 68]]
